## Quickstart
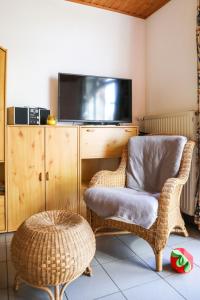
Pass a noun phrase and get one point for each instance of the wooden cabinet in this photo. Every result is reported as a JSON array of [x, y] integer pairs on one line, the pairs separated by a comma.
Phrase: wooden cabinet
[[61, 158], [42, 171], [50, 167], [2, 101], [2, 138], [25, 171]]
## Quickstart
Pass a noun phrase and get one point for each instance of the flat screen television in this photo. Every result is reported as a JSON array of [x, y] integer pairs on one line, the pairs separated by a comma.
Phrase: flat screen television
[[94, 99]]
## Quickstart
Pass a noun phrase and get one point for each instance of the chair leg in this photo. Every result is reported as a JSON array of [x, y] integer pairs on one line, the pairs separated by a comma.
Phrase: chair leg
[[16, 283], [158, 256], [88, 271], [180, 230], [185, 232], [57, 293]]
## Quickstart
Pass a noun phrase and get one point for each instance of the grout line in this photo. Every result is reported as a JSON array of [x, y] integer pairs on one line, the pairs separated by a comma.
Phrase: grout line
[[102, 265], [198, 266], [140, 258], [144, 261], [8, 297], [109, 277], [175, 289], [115, 259], [110, 295], [65, 293], [163, 278]]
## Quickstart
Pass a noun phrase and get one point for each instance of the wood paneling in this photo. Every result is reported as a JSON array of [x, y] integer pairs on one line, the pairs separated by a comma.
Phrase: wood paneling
[[25, 173], [62, 168], [136, 8], [2, 101]]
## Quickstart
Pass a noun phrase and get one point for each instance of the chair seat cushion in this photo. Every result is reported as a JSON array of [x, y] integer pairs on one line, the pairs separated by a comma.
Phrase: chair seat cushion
[[127, 205]]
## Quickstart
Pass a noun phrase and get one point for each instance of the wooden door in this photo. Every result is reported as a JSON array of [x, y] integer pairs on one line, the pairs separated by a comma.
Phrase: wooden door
[[61, 145], [25, 173], [2, 101]]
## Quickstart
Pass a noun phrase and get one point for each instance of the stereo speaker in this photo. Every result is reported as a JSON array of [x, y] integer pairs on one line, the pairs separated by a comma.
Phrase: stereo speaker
[[17, 115]]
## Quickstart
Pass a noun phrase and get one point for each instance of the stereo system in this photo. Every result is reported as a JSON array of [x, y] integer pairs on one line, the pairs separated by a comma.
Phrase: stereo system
[[27, 115]]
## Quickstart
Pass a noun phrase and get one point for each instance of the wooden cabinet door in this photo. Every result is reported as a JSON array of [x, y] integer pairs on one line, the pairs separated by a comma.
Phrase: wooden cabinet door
[[2, 101], [104, 142], [25, 173], [61, 168]]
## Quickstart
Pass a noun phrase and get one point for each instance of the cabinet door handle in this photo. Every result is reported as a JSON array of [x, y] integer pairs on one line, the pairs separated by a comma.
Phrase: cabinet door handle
[[40, 176], [128, 130], [47, 176], [90, 130]]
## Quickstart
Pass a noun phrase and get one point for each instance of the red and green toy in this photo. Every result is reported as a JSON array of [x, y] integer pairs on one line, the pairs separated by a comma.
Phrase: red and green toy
[[181, 260]]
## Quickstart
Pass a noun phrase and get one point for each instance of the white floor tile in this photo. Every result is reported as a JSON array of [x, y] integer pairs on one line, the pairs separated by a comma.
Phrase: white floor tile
[[2, 239], [2, 252], [136, 244], [156, 290], [3, 275], [26, 292], [179, 239], [187, 284], [94, 262], [145, 252], [9, 237], [149, 258], [116, 296], [89, 288], [3, 294], [111, 248], [130, 272], [11, 274], [126, 260], [2, 247]]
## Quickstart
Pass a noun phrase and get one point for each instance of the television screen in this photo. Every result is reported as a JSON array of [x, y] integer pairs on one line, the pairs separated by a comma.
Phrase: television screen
[[94, 99]]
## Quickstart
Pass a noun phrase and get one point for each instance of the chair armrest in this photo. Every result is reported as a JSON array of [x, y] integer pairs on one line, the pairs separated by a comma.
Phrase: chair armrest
[[111, 178], [169, 200], [170, 196], [108, 179], [168, 203], [173, 186]]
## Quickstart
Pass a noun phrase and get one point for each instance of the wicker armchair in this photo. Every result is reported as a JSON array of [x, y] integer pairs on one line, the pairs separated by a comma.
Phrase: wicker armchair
[[169, 217]]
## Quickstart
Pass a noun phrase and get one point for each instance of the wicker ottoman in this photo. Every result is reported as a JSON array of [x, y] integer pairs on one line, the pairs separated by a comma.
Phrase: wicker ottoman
[[52, 248]]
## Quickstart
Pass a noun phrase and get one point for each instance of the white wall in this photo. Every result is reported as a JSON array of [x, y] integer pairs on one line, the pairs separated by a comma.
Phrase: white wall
[[44, 37], [171, 58]]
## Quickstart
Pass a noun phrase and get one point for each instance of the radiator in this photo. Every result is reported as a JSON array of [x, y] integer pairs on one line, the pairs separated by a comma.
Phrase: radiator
[[182, 123]]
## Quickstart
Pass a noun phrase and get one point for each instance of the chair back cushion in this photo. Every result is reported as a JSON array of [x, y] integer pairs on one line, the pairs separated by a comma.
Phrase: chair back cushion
[[152, 160]]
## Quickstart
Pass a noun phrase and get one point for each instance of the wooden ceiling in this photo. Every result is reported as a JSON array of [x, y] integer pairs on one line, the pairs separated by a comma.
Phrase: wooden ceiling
[[136, 8]]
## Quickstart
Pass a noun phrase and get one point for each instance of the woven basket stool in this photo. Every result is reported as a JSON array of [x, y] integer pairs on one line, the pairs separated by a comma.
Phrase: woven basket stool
[[52, 248]]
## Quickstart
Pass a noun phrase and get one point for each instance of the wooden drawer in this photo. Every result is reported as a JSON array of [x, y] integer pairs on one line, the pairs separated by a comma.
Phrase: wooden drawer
[[97, 142], [2, 213]]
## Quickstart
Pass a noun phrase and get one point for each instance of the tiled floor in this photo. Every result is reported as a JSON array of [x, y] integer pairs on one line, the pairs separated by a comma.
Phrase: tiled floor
[[123, 268]]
